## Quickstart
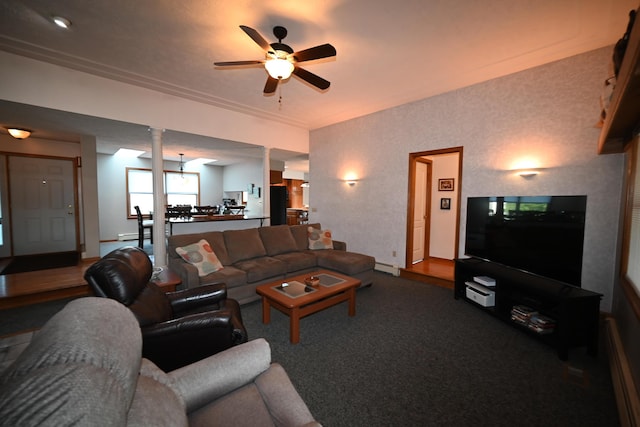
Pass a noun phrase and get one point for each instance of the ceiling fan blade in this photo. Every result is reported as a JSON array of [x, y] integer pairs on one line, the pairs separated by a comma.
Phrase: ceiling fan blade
[[322, 51], [311, 78], [235, 63], [256, 37], [271, 85]]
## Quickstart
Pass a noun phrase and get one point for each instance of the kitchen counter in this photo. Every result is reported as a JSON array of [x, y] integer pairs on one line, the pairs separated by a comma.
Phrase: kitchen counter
[[197, 223]]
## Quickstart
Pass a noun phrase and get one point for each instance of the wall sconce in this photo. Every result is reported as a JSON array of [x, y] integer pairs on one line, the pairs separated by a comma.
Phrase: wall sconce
[[527, 173], [18, 133], [351, 178]]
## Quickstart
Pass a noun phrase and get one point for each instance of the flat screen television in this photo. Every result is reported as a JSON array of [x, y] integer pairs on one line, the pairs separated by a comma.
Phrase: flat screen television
[[543, 235]]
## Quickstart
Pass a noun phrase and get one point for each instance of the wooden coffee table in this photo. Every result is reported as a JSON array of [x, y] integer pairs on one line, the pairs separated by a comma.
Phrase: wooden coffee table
[[298, 300]]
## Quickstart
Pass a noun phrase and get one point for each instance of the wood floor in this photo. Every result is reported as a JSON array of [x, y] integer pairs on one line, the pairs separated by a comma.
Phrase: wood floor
[[20, 289], [435, 271]]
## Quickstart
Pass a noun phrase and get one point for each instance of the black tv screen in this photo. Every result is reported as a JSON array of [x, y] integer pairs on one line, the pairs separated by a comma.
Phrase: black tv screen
[[543, 235]]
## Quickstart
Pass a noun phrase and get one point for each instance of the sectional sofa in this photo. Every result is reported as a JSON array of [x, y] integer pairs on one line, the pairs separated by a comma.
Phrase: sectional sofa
[[245, 259]]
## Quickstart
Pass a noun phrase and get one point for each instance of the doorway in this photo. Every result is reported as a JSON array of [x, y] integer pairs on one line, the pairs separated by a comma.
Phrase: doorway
[[42, 205], [433, 214]]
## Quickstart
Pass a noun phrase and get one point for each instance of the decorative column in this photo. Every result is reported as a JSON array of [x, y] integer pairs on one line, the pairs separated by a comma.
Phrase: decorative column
[[159, 237], [266, 185]]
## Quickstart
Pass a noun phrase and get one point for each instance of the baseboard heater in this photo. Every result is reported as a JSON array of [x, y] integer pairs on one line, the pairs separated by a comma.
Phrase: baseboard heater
[[623, 384], [387, 268], [132, 236]]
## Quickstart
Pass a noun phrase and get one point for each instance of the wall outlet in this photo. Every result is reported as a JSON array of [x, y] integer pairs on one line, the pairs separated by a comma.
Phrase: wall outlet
[[314, 210], [393, 254]]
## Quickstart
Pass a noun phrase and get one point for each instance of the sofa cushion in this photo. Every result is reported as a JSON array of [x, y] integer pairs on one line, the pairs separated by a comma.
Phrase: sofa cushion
[[146, 409], [277, 239], [349, 263], [244, 244], [232, 410], [202, 256], [230, 276], [319, 239], [273, 384], [301, 235], [215, 239], [296, 261], [262, 268]]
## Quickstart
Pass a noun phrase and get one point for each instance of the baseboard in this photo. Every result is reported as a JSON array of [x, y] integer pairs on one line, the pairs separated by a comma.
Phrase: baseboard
[[387, 268], [132, 236], [127, 236], [623, 384]]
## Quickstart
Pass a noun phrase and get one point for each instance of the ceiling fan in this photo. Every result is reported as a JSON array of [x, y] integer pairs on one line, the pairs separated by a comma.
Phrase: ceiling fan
[[281, 61]]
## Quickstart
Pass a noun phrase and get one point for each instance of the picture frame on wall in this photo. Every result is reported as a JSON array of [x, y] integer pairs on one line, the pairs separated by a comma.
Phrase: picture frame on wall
[[446, 184], [445, 203]]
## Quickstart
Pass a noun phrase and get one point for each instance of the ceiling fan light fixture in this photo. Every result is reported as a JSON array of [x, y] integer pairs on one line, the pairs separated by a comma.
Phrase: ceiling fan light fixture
[[278, 68], [19, 133]]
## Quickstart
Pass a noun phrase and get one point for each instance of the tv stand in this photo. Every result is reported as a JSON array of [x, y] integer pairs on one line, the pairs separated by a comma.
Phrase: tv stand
[[566, 316]]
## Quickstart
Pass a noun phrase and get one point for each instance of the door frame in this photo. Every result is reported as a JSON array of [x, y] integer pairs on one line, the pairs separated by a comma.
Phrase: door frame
[[6, 249], [413, 159]]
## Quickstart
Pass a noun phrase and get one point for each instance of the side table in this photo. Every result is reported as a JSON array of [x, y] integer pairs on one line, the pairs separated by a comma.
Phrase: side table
[[167, 280]]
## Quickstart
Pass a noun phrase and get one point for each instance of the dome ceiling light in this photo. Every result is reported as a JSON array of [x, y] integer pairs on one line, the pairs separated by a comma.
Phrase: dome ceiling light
[[18, 133]]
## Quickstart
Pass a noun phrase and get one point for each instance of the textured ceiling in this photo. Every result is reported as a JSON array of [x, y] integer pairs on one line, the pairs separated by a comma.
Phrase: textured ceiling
[[389, 53]]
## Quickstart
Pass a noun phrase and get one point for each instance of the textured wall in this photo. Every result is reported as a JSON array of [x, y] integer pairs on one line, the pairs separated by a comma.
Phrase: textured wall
[[545, 116]]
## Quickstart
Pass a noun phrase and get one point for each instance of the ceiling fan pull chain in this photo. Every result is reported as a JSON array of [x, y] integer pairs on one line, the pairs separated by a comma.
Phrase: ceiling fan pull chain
[[279, 97]]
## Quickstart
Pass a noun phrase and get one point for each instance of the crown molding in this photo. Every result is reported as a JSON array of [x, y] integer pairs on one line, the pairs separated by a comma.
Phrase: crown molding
[[62, 59]]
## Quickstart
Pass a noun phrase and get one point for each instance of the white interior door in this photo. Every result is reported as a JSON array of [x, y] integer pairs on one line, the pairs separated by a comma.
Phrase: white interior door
[[420, 212], [42, 205]]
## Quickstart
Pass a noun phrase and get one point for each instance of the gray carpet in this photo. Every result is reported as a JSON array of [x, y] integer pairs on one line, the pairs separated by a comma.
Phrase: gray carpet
[[415, 356]]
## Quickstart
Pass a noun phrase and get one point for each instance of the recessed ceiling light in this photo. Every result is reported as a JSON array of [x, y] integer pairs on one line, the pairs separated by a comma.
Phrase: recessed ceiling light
[[61, 22]]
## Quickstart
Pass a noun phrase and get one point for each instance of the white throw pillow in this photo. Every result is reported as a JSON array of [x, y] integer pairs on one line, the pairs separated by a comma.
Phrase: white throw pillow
[[201, 256], [319, 239]]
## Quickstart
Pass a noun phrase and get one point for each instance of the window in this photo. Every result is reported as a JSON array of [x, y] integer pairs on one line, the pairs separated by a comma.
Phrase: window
[[181, 189], [139, 191]]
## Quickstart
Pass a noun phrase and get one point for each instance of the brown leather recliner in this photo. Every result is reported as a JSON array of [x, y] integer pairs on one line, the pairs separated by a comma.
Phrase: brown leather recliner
[[178, 328]]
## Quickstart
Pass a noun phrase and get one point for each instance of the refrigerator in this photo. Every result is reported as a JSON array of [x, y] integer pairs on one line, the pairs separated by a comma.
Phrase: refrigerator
[[279, 201]]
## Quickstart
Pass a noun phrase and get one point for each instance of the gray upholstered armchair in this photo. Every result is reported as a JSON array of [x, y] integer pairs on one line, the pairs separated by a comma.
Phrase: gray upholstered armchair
[[85, 368]]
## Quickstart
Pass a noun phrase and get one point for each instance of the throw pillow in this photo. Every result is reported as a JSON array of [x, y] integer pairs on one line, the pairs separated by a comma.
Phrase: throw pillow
[[201, 256], [319, 239]]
